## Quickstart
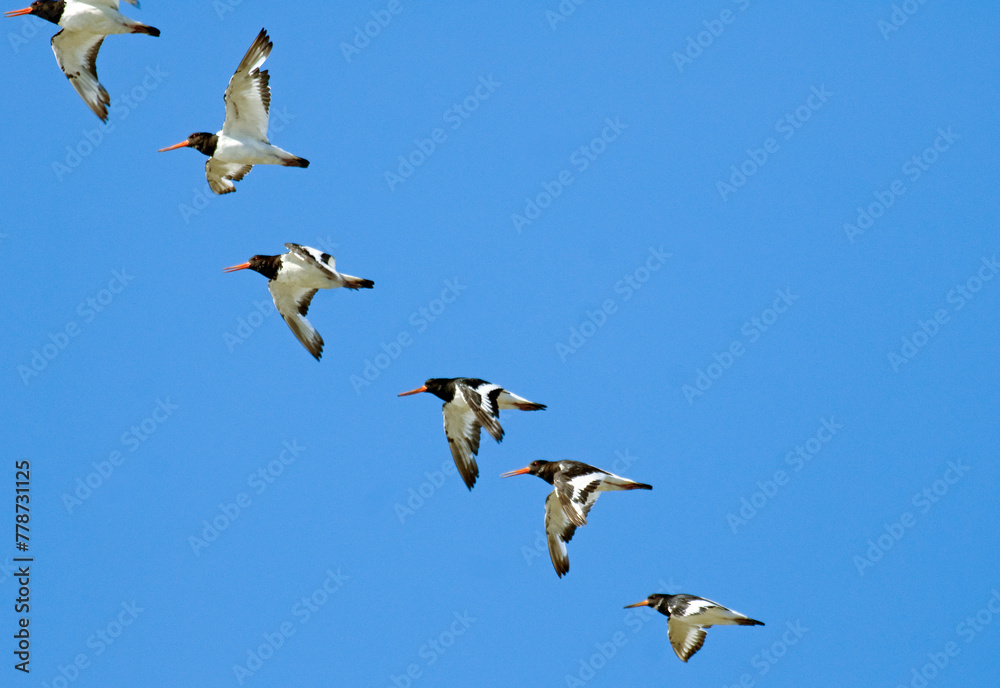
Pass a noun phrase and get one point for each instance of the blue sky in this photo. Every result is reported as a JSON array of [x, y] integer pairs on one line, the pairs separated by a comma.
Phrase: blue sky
[[745, 252]]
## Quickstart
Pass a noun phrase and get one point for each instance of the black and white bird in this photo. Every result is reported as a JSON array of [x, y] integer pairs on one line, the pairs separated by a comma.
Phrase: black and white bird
[[242, 141], [85, 24], [471, 404], [576, 487], [688, 617], [293, 279]]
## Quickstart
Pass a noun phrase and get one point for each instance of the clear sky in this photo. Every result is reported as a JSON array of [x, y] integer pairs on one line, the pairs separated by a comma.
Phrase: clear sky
[[745, 252]]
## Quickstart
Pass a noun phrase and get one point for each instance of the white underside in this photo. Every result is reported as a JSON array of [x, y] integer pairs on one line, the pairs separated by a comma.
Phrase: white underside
[[248, 151]]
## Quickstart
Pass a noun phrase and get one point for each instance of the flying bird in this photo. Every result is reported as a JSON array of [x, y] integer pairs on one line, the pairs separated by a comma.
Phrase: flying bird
[[85, 24], [242, 142], [576, 487], [471, 404], [293, 279], [688, 617]]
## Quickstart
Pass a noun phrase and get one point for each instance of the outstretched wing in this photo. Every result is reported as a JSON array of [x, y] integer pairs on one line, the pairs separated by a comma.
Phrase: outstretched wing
[[578, 491], [293, 304], [685, 638], [221, 175], [311, 256], [248, 96], [559, 531], [462, 431], [76, 53], [483, 402]]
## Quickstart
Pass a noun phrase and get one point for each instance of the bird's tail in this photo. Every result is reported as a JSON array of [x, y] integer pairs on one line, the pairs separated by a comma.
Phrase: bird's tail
[[616, 482], [509, 400], [352, 282], [142, 28]]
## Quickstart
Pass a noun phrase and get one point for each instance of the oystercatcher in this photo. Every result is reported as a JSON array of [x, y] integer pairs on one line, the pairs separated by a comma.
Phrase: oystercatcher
[[471, 404], [293, 279], [577, 487], [688, 617], [242, 142], [85, 24]]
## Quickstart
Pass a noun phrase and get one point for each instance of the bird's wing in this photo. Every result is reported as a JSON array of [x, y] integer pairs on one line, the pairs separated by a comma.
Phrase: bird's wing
[[462, 430], [578, 491], [316, 258], [483, 402], [221, 175], [686, 639], [293, 304], [76, 53], [113, 4], [248, 96], [559, 531]]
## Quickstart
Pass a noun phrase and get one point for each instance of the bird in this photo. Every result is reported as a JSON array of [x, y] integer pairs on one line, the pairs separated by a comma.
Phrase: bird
[[242, 141], [688, 617], [293, 279], [576, 487], [85, 24], [471, 404]]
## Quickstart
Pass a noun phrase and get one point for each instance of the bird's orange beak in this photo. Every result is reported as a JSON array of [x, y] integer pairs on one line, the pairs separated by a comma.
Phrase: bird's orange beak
[[418, 390], [234, 268], [17, 13], [519, 471], [183, 143], [644, 603]]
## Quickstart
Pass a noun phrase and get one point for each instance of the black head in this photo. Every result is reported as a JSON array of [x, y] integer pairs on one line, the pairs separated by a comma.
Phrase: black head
[[49, 10], [265, 265], [656, 601], [546, 470], [201, 141], [441, 387]]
